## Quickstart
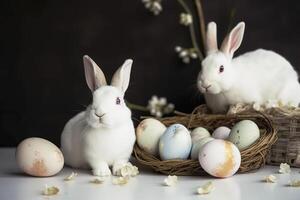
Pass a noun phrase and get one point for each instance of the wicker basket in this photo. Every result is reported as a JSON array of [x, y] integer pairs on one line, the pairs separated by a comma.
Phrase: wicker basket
[[287, 147], [252, 158], [287, 122]]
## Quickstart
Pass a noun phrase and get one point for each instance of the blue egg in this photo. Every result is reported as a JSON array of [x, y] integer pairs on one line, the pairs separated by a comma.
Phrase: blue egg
[[175, 143]]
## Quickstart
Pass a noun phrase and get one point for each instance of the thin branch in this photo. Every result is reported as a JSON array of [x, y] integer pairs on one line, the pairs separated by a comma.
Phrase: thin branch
[[201, 21], [175, 112], [231, 17], [136, 107], [192, 30]]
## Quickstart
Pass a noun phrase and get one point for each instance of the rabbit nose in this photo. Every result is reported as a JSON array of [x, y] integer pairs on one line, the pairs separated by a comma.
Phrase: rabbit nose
[[205, 84], [204, 81], [206, 87]]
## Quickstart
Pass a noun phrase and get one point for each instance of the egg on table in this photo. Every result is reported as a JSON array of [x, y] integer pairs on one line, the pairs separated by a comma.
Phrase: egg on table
[[39, 157], [244, 133], [148, 133], [199, 133], [221, 133], [198, 145], [220, 158], [175, 143]]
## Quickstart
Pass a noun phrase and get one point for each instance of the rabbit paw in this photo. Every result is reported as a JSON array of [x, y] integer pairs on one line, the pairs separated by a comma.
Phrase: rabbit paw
[[102, 171], [117, 166]]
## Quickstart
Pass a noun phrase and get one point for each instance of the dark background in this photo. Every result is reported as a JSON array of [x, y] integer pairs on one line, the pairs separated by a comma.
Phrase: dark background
[[42, 43]]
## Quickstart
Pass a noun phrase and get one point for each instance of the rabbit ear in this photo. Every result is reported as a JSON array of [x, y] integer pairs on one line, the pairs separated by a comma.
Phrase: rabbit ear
[[211, 38], [93, 74], [233, 41], [121, 77]]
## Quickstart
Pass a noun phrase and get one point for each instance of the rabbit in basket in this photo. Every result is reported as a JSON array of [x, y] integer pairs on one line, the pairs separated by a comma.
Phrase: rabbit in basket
[[260, 77], [103, 135]]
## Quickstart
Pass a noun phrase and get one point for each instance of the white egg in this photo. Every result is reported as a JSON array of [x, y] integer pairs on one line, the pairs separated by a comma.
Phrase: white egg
[[220, 158], [39, 157], [198, 145], [175, 143], [244, 134], [148, 133], [199, 133], [221, 133]]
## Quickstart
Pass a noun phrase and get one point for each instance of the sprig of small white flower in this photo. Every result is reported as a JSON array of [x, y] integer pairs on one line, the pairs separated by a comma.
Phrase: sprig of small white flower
[[186, 19], [153, 6], [284, 168], [159, 106], [186, 54], [170, 180], [270, 178]]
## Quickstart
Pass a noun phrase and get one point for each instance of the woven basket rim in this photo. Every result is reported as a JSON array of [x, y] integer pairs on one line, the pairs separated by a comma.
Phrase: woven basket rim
[[252, 158]]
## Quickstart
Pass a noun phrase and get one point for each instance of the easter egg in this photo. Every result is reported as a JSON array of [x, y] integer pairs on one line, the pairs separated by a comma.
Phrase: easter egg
[[199, 133], [175, 143], [148, 133], [221, 133], [220, 158], [244, 134], [198, 145], [39, 157]]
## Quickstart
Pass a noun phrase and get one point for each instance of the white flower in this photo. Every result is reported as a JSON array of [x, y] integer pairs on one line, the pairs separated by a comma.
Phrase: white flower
[[271, 179], [162, 101], [153, 6], [169, 108], [295, 183], [178, 49], [171, 180], [120, 180], [256, 106], [206, 188], [186, 60], [193, 55], [185, 19], [158, 114], [129, 170], [49, 191], [97, 181], [159, 106], [153, 101], [284, 168], [71, 176], [186, 54], [271, 104]]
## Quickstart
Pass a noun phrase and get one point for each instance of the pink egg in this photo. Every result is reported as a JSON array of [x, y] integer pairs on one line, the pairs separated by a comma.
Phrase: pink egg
[[221, 133], [220, 158]]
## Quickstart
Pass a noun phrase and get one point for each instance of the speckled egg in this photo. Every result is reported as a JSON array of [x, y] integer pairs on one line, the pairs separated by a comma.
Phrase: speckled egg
[[175, 143], [39, 157], [220, 158], [244, 134], [198, 145], [221, 133], [148, 133], [199, 133]]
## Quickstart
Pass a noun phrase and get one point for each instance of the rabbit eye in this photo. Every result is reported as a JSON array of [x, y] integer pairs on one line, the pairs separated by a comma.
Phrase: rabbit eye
[[221, 69], [118, 101]]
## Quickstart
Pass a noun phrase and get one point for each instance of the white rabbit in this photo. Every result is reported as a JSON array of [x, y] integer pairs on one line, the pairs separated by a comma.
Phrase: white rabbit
[[259, 77], [104, 134]]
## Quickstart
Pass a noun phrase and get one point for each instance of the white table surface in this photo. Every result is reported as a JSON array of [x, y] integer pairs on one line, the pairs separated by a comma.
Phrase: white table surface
[[14, 185]]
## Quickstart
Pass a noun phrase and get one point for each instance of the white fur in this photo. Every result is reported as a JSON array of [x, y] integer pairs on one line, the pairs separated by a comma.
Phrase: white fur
[[90, 141], [257, 77]]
